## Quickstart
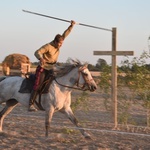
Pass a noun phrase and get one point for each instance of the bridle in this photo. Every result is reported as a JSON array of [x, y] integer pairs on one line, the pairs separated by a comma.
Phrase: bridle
[[80, 72]]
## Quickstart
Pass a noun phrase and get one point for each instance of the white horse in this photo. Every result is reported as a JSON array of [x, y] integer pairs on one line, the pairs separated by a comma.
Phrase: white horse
[[67, 77]]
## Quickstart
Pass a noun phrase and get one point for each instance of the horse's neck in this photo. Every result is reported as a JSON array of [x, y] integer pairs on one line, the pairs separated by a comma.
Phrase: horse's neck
[[69, 79]]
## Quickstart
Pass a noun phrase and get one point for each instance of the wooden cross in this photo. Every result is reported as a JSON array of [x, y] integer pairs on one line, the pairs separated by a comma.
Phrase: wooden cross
[[114, 53]]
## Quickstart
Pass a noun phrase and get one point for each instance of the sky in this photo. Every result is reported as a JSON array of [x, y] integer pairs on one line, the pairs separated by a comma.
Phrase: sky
[[24, 33]]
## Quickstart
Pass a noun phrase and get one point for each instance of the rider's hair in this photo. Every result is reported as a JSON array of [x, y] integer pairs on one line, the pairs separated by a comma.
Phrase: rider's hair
[[58, 38]]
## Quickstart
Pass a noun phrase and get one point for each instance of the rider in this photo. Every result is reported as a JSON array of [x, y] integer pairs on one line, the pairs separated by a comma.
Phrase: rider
[[47, 55]]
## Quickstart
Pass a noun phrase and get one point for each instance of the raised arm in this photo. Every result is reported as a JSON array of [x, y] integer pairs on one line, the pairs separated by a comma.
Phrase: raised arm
[[67, 32]]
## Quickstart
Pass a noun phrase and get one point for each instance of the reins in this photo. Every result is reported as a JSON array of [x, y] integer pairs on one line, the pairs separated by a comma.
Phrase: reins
[[81, 88], [77, 82], [71, 87]]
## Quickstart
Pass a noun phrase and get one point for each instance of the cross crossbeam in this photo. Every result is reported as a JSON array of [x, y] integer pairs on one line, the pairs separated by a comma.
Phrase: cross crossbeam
[[113, 53]]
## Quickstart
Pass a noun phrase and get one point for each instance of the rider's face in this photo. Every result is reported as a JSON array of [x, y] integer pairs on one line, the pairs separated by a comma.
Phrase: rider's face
[[59, 44]]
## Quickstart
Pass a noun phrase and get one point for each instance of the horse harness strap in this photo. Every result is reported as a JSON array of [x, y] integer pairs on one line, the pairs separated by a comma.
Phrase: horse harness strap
[[67, 85], [43, 89], [84, 77], [45, 85]]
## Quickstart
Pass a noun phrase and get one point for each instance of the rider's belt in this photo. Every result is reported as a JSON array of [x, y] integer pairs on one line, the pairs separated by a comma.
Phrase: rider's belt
[[51, 63]]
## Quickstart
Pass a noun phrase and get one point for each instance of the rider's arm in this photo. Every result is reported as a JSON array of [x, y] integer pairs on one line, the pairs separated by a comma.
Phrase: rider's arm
[[67, 32]]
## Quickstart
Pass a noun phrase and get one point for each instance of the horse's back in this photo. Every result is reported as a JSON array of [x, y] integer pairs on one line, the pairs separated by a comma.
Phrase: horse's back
[[9, 86], [10, 80]]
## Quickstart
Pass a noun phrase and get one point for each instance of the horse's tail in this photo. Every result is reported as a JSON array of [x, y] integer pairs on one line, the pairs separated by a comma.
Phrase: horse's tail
[[2, 78]]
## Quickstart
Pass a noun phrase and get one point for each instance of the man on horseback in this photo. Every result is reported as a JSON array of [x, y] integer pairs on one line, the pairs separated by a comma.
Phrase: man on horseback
[[47, 55]]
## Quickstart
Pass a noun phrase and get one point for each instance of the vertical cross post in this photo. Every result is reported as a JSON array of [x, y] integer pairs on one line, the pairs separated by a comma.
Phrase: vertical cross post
[[114, 53], [114, 76]]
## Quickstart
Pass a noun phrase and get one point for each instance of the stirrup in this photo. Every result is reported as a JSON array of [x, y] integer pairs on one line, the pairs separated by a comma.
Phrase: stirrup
[[32, 108]]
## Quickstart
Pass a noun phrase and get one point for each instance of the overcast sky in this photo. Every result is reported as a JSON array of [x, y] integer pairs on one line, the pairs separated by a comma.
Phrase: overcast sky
[[24, 33]]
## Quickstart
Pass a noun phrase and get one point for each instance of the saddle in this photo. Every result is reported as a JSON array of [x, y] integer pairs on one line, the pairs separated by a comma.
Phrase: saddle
[[28, 83]]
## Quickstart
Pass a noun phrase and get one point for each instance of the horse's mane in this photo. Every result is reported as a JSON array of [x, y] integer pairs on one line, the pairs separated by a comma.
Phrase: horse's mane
[[61, 70]]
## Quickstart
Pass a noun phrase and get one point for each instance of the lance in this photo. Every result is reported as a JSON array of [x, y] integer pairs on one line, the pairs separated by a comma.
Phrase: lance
[[65, 20]]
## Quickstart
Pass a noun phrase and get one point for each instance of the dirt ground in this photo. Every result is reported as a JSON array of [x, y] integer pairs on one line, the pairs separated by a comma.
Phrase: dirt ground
[[25, 130]]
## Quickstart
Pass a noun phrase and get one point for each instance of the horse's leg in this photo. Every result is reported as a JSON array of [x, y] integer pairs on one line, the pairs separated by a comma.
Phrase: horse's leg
[[48, 118], [10, 104], [73, 119]]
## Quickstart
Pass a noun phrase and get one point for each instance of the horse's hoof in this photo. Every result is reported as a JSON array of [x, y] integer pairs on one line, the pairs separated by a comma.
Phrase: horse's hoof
[[87, 136], [32, 108]]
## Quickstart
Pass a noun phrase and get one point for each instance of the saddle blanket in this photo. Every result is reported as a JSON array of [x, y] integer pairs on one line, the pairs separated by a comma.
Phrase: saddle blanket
[[28, 83]]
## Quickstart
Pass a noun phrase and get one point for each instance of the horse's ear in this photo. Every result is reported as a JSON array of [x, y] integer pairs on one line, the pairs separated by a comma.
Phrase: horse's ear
[[76, 63], [86, 65], [83, 67]]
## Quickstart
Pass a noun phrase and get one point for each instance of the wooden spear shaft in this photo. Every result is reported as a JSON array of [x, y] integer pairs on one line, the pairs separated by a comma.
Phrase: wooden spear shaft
[[65, 20]]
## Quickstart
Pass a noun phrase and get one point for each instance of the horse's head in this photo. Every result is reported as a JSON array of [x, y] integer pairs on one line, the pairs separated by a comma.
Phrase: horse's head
[[85, 79], [82, 77]]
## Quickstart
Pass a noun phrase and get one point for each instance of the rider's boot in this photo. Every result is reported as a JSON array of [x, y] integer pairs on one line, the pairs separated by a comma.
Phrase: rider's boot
[[32, 100]]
